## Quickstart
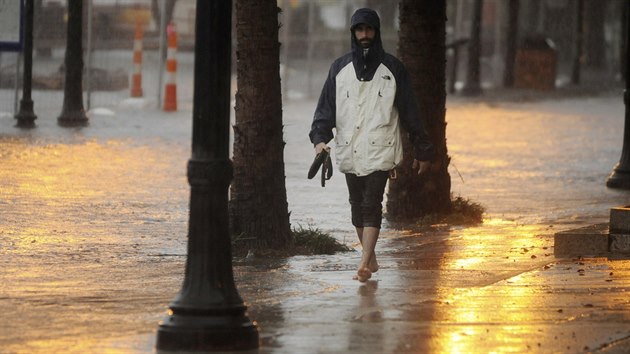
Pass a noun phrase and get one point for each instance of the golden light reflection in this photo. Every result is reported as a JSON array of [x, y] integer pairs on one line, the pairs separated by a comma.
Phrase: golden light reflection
[[468, 262], [496, 222], [487, 261], [76, 217], [458, 340], [492, 163], [90, 344], [55, 189]]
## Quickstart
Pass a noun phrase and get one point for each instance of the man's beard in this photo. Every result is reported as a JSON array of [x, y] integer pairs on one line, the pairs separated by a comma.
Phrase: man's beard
[[366, 42]]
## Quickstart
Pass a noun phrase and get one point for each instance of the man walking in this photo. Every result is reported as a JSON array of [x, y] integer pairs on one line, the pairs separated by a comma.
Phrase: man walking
[[366, 97]]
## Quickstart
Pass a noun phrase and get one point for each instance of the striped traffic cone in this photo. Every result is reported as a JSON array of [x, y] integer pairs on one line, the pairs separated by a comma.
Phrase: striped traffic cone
[[170, 90], [136, 77]]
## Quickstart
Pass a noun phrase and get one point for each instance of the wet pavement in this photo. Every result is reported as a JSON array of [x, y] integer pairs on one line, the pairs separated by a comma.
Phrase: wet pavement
[[93, 225]]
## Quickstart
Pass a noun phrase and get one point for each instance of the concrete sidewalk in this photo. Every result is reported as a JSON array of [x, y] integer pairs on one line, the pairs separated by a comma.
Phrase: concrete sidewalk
[[480, 290], [94, 221]]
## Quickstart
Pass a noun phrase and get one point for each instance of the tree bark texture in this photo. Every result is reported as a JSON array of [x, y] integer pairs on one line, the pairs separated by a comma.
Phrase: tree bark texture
[[422, 41], [258, 206]]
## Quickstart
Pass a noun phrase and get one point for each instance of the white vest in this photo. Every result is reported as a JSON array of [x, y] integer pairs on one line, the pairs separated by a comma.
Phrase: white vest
[[367, 135]]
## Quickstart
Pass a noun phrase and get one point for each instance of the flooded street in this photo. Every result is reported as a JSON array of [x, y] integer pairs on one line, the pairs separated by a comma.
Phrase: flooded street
[[537, 163], [94, 221], [79, 215]]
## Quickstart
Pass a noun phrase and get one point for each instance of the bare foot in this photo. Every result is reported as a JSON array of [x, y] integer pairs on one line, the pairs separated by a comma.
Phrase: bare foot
[[363, 274], [373, 265]]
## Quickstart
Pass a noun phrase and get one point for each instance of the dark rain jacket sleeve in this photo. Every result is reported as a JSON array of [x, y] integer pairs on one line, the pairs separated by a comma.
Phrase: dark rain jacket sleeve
[[410, 117], [325, 113]]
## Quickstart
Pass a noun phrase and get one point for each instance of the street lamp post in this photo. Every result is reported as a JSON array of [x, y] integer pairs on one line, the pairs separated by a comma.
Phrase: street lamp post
[[208, 314], [620, 176], [72, 111], [25, 116]]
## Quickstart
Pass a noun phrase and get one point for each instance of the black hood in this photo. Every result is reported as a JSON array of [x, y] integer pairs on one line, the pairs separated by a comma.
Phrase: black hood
[[366, 66]]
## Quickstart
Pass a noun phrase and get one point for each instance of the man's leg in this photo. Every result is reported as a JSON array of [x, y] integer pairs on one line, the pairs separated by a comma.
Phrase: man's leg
[[372, 264], [356, 187], [371, 213], [370, 236]]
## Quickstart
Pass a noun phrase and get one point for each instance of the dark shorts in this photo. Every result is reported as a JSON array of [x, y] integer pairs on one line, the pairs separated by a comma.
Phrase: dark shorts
[[366, 197]]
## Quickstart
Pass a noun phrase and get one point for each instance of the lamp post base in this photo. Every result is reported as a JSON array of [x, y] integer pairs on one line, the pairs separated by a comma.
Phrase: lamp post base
[[26, 117], [203, 333], [619, 179], [73, 119]]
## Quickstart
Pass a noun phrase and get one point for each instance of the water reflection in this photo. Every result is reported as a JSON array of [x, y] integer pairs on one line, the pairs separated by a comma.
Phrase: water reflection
[[79, 221], [367, 323], [460, 294], [531, 162]]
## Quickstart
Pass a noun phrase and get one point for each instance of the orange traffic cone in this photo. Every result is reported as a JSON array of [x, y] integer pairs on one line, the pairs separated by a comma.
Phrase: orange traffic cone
[[136, 77], [170, 90]]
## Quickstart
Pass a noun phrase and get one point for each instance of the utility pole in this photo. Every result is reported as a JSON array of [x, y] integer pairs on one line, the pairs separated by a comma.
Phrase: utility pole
[[208, 314]]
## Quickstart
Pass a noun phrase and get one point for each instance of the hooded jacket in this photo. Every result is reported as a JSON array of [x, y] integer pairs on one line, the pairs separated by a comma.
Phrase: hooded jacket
[[365, 98]]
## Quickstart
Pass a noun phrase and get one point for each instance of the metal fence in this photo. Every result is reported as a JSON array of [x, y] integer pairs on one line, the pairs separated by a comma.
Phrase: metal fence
[[312, 33], [109, 30]]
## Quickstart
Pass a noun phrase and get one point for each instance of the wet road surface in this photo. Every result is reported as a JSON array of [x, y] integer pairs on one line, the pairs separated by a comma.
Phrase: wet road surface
[[94, 222]]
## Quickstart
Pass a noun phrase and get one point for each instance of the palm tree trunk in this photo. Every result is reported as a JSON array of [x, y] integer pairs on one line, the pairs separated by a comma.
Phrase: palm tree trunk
[[422, 48], [258, 206]]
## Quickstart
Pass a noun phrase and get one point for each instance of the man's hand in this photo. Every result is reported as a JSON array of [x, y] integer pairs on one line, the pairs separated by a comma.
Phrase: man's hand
[[320, 147], [422, 166]]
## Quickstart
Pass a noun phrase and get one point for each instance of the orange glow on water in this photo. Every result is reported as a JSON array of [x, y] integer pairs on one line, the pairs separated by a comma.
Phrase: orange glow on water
[[76, 218], [470, 316]]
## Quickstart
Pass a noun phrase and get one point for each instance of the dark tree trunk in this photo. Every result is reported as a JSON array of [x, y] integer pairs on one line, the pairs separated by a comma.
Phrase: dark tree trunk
[[422, 48], [512, 43], [595, 40], [579, 43], [73, 113], [472, 86], [258, 206]]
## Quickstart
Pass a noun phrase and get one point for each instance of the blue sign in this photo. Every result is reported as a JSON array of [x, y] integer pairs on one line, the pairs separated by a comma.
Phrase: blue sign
[[11, 25]]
